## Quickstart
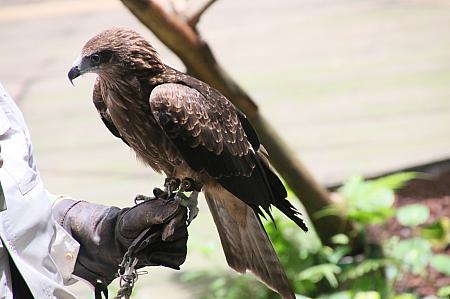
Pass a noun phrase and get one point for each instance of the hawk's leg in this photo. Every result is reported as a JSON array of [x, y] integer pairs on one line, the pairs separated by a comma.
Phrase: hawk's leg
[[170, 185], [190, 202]]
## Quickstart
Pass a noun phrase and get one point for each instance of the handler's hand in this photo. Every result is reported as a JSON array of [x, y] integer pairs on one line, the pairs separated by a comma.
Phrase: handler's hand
[[105, 233]]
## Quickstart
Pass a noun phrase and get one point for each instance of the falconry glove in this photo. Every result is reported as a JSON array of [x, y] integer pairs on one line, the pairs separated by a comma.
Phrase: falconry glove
[[105, 234]]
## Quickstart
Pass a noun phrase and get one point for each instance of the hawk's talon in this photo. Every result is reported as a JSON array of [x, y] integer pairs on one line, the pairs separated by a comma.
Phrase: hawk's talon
[[158, 193], [191, 203], [171, 184], [181, 186]]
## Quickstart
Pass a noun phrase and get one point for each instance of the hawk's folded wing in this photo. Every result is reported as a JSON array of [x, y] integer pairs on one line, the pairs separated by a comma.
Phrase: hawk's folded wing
[[207, 132]]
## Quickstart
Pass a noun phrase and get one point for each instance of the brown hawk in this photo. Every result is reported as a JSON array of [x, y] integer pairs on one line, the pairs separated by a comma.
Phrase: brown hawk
[[186, 129]]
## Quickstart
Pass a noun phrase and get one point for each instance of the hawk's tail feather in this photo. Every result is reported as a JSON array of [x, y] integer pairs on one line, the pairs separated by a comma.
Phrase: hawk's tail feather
[[244, 240], [278, 192]]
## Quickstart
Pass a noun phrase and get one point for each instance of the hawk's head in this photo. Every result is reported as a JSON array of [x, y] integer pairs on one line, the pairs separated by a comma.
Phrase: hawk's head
[[115, 52]]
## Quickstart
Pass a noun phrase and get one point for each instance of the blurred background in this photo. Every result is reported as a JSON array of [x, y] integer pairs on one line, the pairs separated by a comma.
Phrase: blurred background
[[353, 86]]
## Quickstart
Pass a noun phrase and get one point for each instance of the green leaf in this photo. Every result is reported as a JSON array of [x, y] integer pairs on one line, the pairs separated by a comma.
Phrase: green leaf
[[372, 217], [317, 273], [405, 296], [434, 231], [412, 215], [444, 292], [328, 211], [414, 254], [338, 253], [351, 186], [370, 202], [219, 283], [362, 269], [396, 180], [370, 197], [340, 239], [391, 272], [367, 295], [441, 262], [438, 233], [338, 295]]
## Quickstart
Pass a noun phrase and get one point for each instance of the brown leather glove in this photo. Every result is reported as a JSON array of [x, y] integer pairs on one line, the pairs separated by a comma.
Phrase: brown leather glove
[[105, 233]]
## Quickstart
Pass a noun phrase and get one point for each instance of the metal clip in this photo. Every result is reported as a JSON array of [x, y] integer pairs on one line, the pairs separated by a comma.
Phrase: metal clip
[[128, 276]]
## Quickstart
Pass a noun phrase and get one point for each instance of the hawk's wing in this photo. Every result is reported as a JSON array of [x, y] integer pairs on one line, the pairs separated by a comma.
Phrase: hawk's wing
[[100, 105], [208, 133]]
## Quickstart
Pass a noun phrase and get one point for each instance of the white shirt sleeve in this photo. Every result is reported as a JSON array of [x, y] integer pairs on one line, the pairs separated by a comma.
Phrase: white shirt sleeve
[[41, 249]]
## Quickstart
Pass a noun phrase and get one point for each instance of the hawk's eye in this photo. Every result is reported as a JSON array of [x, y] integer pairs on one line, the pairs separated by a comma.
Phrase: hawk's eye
[[95, 59]]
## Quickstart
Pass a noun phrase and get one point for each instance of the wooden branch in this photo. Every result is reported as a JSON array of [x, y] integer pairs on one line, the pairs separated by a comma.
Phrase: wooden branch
[[195, 17], [200, 62]]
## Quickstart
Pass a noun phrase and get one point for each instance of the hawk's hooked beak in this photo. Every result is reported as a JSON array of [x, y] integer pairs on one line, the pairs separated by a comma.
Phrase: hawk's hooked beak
[[73, 73], [77, 69]]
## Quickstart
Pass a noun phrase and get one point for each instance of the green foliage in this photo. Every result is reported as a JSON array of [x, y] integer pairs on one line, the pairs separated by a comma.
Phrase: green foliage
[[225, 285], [319, 272], [340, 239], [438, 233], [412, 215], [441, 263], [405, 296], [370, 202], [365, 267], [397, 180], [337, 295], [367, 295], [413, 254], [357, 295], [323, 272], [367, 202], [444, 292]]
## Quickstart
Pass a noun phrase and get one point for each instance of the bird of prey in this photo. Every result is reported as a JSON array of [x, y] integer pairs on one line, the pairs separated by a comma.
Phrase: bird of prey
[[179, 125]]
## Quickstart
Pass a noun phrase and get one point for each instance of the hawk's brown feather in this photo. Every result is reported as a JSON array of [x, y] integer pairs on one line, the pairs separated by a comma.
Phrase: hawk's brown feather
[[207, 132], [100, 105]]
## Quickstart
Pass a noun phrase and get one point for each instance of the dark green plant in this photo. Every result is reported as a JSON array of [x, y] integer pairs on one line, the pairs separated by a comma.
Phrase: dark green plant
[[324, 272]]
